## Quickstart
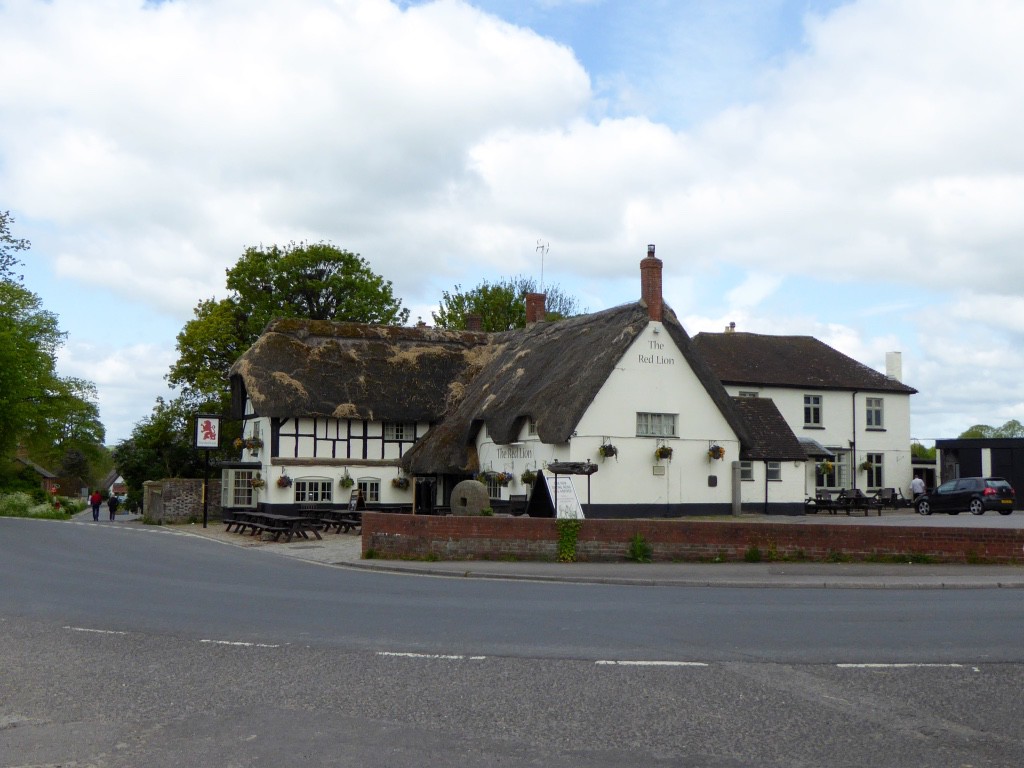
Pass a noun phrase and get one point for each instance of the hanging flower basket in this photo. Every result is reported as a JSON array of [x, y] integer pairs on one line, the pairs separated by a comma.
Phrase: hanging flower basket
[[284, 482], [504, 478], [663, 452], [401, 483], [253, 444], [258, 481], [239, 443], [607, 451], [346, 481], [867, 466], [826, 468], [529, 477], [716, 452]]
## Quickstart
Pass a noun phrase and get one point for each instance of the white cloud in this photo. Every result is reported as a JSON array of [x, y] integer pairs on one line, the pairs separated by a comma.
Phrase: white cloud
[[154, 143]]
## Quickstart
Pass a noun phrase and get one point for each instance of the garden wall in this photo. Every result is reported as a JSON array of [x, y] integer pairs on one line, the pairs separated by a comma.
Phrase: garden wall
[[179, 500], [522, 538]]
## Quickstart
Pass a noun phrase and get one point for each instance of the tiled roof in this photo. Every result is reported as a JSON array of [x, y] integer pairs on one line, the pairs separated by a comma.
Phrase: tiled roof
[[771, 437], [788, 361]]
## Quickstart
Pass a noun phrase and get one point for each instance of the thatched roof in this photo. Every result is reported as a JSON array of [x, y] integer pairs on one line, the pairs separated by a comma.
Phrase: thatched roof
[[350, 370], [788, 361], [549, 372]]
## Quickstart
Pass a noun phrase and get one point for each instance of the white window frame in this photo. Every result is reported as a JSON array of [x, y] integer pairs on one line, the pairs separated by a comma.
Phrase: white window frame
[[399, 431], [370, 486], [746, 471], [813, 406], [773, 471], [312, 490], [876, 475], [657, 424], [238, 490], [874, 413]]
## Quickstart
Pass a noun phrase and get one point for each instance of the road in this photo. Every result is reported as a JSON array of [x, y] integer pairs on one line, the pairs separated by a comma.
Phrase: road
[[130, 646]]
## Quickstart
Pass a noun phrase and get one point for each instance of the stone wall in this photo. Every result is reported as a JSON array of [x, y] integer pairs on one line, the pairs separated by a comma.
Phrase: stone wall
[[521, 538], [179, 500]]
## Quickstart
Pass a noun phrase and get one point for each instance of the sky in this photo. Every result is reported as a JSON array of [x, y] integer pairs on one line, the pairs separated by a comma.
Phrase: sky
[[852, 171]]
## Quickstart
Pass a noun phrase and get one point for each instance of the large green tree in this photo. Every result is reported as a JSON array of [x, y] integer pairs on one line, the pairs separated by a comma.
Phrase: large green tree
[[501, 305], [310, 280], [159, 446], [1012, 428], [29, 339], [9, 246]]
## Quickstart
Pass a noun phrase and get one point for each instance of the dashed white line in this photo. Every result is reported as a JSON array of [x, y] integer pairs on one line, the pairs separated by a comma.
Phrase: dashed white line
[[902, 665], [442, 656], [240, 644], [96, 631], [639, 663]]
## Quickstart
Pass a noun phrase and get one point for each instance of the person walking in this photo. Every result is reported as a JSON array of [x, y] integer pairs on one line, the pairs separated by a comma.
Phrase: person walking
[[94, 501], [112, 503], [917, 487]]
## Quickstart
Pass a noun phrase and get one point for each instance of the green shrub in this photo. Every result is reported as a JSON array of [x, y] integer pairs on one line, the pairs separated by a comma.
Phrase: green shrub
[[639, 550], [568, 532], [753, 554]]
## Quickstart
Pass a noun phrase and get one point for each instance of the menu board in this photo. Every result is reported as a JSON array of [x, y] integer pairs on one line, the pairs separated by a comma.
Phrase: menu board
[[563, 496]]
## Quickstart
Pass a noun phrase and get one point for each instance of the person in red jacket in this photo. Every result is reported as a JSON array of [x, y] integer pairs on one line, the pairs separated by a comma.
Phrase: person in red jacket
[[95, 500]]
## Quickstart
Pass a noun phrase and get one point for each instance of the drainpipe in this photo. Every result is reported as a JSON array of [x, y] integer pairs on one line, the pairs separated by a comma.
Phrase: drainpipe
[[766, 486], [853, 442]]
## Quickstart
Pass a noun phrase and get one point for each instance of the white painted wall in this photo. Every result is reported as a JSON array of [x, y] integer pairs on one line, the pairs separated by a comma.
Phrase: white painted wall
[[843, 421], [651, 377]]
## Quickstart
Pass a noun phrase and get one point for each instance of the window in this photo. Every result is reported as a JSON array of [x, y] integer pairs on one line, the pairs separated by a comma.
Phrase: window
[[493, 486], [312, 489], [875, 479], [874, 413], [370, 486], [238, 490], [656, 425], [812, 410], [531, 426], [773, 470], [398, 430], [746, 470]]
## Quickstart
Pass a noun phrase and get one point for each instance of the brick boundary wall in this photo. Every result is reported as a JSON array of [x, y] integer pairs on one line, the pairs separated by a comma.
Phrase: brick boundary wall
[[399, 536]]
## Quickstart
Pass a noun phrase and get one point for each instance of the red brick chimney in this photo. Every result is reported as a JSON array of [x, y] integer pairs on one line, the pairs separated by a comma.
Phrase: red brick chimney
[[535, 311], [474, 322], [650, 284]]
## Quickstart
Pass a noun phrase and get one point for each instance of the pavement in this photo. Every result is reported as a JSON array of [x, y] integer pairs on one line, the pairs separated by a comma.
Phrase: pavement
[[345, 550]]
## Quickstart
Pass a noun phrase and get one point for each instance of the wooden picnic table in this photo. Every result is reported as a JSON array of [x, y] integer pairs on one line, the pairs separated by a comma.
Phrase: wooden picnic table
[[846, 500], [274, 524]]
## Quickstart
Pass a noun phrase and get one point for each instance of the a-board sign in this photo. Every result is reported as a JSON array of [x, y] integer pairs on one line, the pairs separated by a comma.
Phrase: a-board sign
[[355, 501], [563, 496]]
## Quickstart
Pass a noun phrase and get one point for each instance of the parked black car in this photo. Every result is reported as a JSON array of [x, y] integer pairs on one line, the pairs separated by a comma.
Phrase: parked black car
[[969, 494]]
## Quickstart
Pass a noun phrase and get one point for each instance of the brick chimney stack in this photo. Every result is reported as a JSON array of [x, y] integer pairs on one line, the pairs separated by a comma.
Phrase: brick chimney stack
[[535, 311], [650, 284], [474, 322]]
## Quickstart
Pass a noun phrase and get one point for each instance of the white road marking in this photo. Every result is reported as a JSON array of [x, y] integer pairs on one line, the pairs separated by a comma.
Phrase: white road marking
[[97, 631], [243, 645], [896, 666], [626, 663], [443, 656]]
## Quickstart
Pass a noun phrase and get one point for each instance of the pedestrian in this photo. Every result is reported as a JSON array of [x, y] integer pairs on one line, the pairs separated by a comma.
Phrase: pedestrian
[[917, 487], [112, 503], [94, 501]]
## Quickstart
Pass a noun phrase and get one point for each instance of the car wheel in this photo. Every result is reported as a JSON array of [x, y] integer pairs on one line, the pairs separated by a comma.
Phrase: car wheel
[[924, 508], [1005, 511], [976, 507]]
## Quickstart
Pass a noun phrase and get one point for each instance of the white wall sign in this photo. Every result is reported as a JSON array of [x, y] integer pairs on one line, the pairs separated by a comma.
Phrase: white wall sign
[[563, 496]]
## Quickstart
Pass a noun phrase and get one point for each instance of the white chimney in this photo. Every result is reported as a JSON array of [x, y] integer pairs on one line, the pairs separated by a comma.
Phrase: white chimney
[[894, 365]]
